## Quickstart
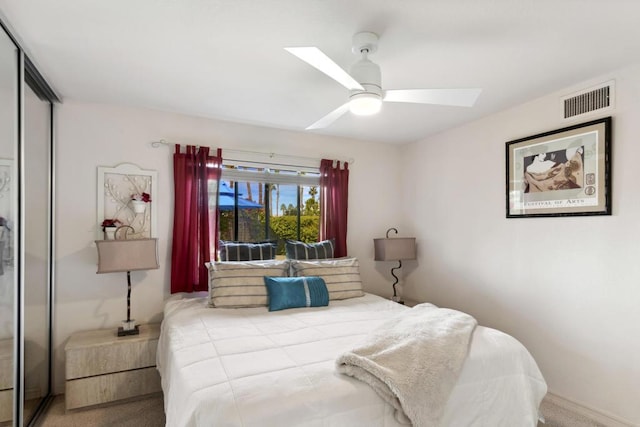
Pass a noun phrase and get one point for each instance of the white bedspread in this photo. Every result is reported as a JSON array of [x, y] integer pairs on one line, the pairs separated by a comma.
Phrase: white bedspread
[[251, 367]]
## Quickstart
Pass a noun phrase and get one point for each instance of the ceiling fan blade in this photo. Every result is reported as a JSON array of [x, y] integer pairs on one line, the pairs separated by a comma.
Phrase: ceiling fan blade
[[330, 118], [453, 97], [316, 58]]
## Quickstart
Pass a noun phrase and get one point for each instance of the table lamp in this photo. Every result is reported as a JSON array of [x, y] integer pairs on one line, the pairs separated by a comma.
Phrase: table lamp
[[115, 256], [395, 249]]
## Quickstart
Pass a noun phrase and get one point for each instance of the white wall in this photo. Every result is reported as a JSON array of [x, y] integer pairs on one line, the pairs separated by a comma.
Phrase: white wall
[[568, 288], [90, 135]]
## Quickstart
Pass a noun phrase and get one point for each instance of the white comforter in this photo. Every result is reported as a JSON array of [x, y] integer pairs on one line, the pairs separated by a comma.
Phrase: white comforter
[[252, 367]]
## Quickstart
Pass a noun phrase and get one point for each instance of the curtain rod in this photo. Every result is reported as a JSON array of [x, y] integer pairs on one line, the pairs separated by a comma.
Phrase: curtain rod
[[351, 160]]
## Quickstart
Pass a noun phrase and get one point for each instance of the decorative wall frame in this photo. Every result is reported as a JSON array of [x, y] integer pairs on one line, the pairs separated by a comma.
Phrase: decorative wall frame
[[565, 172], [116, 185]]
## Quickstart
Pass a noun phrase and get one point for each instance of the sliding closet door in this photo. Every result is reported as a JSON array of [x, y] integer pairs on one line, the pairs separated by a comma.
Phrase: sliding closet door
[[26, 228], [37, 214], [9, 135]]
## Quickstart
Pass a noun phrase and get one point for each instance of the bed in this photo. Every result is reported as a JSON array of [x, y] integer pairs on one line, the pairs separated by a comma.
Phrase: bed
[[252, 367]]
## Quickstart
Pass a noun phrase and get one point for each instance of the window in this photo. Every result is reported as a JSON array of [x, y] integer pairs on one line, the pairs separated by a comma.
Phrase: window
[[262, 202]]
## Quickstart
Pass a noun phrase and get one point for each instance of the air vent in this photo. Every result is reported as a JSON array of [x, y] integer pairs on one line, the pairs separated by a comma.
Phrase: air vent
[[589, 100]]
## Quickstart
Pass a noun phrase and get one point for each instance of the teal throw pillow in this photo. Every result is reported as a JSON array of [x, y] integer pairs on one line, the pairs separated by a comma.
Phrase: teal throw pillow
[[294, 292]]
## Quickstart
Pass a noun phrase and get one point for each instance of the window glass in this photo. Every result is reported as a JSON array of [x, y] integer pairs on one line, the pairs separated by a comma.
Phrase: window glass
[[242, 211], [259, 203]]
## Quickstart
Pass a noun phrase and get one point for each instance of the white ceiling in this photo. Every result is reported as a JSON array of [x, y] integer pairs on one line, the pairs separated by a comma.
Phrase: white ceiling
[[225, 59]]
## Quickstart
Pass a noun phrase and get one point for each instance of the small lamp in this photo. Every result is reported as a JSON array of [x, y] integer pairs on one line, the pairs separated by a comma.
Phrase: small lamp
[[395, 249], [116, 256]]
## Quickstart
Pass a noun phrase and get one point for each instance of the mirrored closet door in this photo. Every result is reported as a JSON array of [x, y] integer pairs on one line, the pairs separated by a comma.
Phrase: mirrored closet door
[[26, 230], [9, 138], [36, 203]]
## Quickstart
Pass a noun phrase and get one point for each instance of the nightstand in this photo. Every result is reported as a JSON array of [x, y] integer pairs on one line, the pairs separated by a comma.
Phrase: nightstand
[[102, 367]]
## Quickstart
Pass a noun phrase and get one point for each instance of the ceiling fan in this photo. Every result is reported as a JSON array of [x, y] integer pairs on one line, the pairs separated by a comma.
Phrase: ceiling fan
[[364, 83]]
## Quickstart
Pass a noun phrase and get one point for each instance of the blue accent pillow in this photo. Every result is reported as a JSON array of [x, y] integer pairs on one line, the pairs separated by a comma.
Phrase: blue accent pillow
[[294, 292]]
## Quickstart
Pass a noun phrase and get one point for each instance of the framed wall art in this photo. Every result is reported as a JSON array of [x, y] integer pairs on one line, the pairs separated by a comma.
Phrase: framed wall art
[[565, 172], [126, 197]]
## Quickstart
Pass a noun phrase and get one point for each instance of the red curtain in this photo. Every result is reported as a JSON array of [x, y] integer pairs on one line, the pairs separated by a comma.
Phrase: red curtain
[[334, 192], [192, 224]]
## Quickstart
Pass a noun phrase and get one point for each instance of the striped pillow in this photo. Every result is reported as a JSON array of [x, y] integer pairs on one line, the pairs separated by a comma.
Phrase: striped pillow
[[341, 275], [241, 251], [241, 284], [300, 250]]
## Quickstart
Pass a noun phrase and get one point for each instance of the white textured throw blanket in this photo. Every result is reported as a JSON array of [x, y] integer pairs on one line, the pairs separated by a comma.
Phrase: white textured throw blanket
[[413, 361]]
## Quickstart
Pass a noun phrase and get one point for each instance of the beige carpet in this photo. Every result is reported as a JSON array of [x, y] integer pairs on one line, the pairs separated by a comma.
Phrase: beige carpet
[[556, 416], [149, 412]]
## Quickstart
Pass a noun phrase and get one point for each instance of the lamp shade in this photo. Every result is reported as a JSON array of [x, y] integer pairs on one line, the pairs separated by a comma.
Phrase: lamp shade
[[127, 255], [395, 249]]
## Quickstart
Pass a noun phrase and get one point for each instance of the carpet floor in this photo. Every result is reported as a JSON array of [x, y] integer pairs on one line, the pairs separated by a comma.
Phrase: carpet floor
[[149, 412]]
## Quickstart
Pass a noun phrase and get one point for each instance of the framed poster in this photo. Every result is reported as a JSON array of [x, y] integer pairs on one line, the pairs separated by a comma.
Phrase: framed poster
[[565, 172], [126, 196]]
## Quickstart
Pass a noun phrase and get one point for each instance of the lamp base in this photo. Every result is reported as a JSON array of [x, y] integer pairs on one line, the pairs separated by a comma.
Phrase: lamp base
[[123, 333], [128, 327], [397, 299]]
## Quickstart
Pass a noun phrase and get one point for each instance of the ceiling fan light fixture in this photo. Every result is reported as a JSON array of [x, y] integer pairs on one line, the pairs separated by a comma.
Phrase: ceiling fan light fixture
[[365, 104], [364, 81], [368, 101]]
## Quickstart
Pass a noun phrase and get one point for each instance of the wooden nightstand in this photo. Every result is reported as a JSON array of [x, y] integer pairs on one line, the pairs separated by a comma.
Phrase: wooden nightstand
[[102, 367]]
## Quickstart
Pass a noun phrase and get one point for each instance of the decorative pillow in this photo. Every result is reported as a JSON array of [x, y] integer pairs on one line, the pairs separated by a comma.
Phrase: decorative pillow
[[247, 251], [293, 292], [241, 284], [300, 250], [341, 275]]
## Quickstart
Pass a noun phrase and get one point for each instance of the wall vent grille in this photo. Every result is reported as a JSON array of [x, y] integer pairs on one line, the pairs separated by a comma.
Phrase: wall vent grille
[[589, 100]]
